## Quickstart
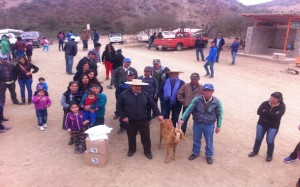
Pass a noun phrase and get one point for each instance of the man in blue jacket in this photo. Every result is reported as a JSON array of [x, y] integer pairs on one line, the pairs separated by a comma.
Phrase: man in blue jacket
[[70, 49], [210, 60], [206, 110]]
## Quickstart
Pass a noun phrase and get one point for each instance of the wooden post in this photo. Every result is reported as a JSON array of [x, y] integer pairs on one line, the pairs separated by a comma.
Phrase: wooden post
[[287, 36]]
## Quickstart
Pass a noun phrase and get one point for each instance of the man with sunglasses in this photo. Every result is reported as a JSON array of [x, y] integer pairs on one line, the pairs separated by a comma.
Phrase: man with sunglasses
[[206, 110]]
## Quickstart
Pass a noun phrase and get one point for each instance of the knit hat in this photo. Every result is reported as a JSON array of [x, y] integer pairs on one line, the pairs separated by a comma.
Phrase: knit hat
[[148, 68]]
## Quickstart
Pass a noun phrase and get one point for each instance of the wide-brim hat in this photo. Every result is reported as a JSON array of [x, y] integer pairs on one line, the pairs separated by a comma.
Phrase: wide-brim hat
[[137, 82], [174, 71]]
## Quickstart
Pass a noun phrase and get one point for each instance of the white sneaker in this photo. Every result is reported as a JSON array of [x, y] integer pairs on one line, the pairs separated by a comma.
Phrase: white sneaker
[[45, 125], [42, 128]]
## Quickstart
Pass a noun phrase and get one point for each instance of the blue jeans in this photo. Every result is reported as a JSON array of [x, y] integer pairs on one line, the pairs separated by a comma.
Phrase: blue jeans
[[46, 47], [61, 45], [199, 50], [260, 133], [233, 55], [91, 116], [208, 132], [211, 67], [85, 44], [69, 63], [20, 53], [150, 44], [167, 108], [42, 116], [27, 83]]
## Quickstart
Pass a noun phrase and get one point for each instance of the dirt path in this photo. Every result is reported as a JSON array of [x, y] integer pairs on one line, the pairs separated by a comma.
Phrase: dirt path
[[30, 157]]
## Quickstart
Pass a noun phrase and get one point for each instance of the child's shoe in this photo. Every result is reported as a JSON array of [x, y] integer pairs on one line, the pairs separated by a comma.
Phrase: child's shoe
[[45, 125], [81, 151], [71, 141], [41, 128], [76, 150]]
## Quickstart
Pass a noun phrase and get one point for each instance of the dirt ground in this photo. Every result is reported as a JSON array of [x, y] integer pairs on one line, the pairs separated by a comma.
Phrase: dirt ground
[[29, 157]]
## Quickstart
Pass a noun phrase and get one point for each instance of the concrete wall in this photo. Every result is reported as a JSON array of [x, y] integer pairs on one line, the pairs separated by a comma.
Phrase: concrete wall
[[269, 40]]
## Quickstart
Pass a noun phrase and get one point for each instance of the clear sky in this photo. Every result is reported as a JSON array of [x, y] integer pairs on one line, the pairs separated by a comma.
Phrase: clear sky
[[253, 2]]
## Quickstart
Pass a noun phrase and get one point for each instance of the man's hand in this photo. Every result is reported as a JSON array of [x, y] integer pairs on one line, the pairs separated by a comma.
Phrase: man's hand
[[160, 118], [125, 120], [180, 122], [217, 130]]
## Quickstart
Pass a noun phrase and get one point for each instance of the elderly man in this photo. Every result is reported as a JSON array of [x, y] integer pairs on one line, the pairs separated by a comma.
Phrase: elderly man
[[168, 96], [206, 110], [90, 60], [136, 117], [160, 73], [187, 93], [119, 76], [8, 76], [70, 49]]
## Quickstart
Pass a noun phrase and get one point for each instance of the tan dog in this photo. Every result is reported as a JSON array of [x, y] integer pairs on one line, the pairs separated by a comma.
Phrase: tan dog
[[171, 136]]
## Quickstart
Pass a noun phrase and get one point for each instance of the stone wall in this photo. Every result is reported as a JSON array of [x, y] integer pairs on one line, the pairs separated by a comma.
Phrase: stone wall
[[269, 40]]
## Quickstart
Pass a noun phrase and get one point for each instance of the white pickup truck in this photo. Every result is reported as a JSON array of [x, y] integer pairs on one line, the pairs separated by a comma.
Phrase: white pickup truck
[[11, 36]]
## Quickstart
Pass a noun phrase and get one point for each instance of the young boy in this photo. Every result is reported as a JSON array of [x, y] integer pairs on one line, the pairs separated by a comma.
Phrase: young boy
[[42, 85]]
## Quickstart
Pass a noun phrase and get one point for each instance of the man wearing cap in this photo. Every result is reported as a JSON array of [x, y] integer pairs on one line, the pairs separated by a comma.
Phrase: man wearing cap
[[8, 76], [168, 96], [122, 87], [90, 60], [206, 110], [119, 76], [70, 49], [210, 60], [151, 88], [187, 93], [160, 73], [135, 117]]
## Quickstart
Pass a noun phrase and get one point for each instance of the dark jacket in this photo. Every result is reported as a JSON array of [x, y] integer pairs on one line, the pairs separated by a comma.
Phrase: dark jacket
[[95, 37], [7, 72], [161, 92], [117, 61], [108, 56], [119, 75], [270, 117], [134, 106], [21, 73], [222, 42], [152, 88], [93, 65], [161, 75], [69, 98], [235, 46], [205, 113], [199, 43], [20, 45], [70, 48]]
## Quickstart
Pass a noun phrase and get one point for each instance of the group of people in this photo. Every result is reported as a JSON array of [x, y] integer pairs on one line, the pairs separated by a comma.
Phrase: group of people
[[84, 101]]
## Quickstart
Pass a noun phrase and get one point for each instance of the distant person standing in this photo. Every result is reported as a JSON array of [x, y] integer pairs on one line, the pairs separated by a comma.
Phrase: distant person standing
[[5, 46], [199, 45], [61, 40], [85, 36], [45, 43], [210, 60], [95, 37], [107, 56], [151, 40], [69, 35], [219, 42], [70, 49], [20, 47], [29, 50], [234, 49]]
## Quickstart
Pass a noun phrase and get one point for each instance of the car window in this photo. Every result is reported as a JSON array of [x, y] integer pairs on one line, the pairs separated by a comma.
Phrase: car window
[[114, 35]]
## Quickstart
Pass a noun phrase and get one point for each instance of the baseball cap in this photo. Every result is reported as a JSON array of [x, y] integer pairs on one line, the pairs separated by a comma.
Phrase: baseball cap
[[208, 87], [72, 37], [156, 61], [127, 60], [148, 68], [195, 75], [130, 73], [4, 57]]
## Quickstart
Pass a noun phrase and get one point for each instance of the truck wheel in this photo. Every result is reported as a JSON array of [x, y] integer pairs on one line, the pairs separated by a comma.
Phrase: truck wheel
[[179, 47]]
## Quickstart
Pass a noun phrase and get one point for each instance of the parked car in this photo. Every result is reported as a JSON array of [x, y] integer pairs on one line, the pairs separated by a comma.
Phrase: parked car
[[35, 36], [11, 36], [166, 34], [181, 40], [115, 38]]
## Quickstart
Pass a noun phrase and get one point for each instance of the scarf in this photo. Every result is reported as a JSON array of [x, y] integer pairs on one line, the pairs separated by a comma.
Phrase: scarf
[[168, 93]]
